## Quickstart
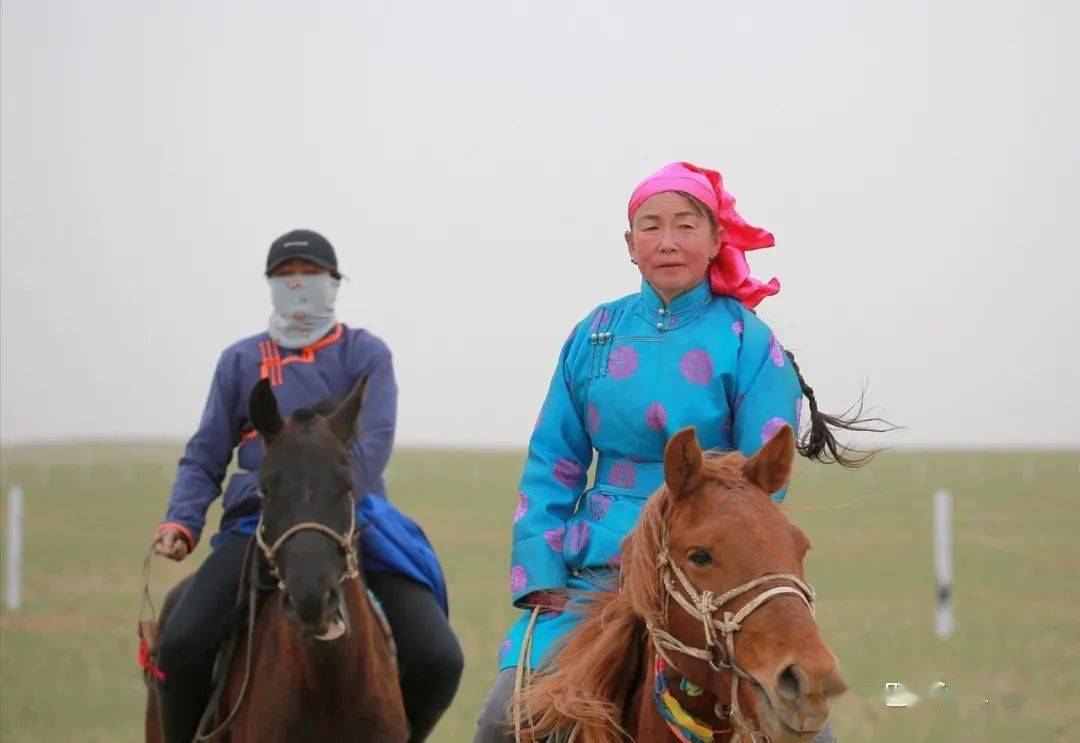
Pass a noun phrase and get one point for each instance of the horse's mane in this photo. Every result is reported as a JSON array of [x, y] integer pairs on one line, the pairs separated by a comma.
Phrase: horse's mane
[[595, 674]]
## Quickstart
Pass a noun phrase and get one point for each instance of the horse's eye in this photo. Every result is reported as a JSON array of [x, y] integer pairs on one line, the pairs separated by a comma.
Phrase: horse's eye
[[700, 557]]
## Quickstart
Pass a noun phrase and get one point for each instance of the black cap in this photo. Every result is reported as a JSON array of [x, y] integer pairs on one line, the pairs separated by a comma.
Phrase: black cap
[[306, 244]]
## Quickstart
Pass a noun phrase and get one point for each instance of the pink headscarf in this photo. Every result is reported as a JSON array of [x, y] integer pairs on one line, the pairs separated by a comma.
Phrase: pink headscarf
[[729, 274]]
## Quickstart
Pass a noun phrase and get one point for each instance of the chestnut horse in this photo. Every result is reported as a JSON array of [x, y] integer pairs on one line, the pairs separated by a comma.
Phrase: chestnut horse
[[314, 662], [710, 635]]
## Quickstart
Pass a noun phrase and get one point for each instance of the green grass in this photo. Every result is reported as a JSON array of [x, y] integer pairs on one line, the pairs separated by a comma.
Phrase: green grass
[[67, 668]]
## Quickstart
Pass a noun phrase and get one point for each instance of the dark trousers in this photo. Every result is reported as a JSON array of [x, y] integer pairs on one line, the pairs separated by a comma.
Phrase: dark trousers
[[429, 657]]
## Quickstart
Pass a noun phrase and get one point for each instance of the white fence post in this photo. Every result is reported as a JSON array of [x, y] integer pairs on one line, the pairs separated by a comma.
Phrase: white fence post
[[13, 556], [943, 564]]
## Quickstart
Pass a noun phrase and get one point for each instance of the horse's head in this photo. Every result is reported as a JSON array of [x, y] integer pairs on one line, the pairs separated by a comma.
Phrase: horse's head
[[308, 508], [722, 530]]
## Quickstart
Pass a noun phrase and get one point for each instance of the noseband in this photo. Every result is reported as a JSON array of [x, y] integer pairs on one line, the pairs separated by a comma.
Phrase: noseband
[[702, 605], [344, 541]]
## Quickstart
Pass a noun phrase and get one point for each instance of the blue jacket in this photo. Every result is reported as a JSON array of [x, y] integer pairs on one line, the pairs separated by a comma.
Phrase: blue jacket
[[329, 368], [631, 374]]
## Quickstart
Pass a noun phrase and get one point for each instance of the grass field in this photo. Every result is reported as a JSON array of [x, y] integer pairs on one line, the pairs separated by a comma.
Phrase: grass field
[[67, 669]]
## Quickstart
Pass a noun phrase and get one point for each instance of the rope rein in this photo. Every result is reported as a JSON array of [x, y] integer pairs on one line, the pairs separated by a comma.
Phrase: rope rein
[[211, 707], [352, 571], [702, 605], [719, 650], [523, 674]]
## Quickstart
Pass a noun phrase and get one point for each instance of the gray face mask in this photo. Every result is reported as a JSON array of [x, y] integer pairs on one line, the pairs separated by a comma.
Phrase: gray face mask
[[303, 308]]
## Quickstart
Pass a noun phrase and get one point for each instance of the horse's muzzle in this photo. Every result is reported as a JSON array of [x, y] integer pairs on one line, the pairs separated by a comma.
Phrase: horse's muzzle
[[795, 705], [318, 615]]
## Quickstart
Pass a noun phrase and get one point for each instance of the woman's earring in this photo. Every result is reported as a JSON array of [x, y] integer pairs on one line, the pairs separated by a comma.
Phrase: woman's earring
[[635, 262]]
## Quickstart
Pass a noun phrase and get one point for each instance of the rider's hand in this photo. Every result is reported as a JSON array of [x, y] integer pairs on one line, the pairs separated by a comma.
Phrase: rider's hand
[[171, 543], [549, 601]]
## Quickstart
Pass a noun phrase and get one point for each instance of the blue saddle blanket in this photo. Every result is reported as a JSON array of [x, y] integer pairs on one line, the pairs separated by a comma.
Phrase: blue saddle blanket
[[390, 542]]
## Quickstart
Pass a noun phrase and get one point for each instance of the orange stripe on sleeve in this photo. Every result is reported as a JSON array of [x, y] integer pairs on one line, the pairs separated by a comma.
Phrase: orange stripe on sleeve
[[184, 532]]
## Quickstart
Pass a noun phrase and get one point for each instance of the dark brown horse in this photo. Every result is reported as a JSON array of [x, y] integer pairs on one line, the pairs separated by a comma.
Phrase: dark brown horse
[[711, 604], [319, 666]]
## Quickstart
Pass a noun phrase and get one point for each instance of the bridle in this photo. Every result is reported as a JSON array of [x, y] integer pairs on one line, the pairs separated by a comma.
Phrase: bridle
[[702, 605], [344, 541], [352, 570]]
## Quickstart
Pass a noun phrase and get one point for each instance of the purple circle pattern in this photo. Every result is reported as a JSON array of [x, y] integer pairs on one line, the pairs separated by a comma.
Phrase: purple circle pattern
[[579, 536], [656, 417], [593, 416], [554, 538], [599, 505], [568, 472], [776, 351], [518, 578], [622, 475], [522, 507], [737, 328], [770, 428], [622, 362], [696, 367], [504, 648]]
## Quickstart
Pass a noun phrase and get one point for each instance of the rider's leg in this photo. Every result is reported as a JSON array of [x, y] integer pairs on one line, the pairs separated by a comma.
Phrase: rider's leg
[[493, 725], [429, 657], [193, 632]]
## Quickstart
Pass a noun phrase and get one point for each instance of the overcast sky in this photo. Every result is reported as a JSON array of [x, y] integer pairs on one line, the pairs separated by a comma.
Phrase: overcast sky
[[471, 162]]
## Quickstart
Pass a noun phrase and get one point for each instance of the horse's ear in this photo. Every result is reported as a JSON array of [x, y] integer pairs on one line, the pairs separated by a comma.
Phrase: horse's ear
[[683, 462], [770, 468], [263, 411], [343, 421]]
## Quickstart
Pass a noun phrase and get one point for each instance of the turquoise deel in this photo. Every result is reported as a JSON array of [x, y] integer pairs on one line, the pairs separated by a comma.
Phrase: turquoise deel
[[631, 374]]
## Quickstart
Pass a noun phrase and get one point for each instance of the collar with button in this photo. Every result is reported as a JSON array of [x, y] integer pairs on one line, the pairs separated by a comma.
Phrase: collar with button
[[685, 305]]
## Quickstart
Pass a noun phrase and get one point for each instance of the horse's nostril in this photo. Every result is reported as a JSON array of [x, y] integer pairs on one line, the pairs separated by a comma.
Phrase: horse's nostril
[[329, 598], [787, 684]]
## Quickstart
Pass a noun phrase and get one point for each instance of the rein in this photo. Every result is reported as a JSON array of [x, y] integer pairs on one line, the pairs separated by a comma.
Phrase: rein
[[253, 600], [148, 628], [702, 605], [352, 571]]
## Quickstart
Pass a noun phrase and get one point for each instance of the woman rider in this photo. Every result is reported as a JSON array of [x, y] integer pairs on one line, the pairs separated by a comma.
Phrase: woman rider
[[685, 350], [309, 357]]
